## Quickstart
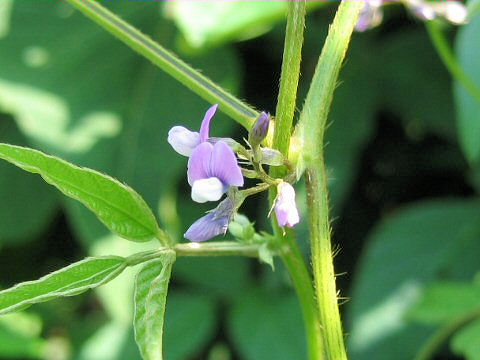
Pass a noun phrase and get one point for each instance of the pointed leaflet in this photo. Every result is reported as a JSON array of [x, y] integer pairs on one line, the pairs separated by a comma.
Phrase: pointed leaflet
[[151, 288], [71, 280], [118, 206]]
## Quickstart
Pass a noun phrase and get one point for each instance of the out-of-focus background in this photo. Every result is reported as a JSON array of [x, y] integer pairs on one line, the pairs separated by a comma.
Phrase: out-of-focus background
[[405, 212]]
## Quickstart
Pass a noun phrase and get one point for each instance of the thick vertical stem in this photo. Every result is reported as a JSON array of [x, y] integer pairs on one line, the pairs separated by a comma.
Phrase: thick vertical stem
[[311, 131]]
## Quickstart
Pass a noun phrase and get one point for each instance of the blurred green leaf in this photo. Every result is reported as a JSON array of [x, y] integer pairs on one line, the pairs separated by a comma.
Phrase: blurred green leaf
[[151, 288], [411, 248], [71, 280], [426, 107], [20, 222], [210, 273], [20, 337], [443, 302], [267, 326], [5, 9], [468, 108], [213, 23], [119, 207], [113, 341], [190, 322], [466, 342]]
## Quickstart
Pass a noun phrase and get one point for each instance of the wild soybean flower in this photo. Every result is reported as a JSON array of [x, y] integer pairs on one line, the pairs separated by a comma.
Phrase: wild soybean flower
[[213, 224], [285, 206], [212, 170], [185, 141], [453, 11]]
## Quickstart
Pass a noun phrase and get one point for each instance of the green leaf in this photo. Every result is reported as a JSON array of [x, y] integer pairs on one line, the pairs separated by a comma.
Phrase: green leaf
[[266, 256], [20, 337], [443, 302], [71, 280], [214, 23], [18, 222], [119, 207], [5, 9], [466, 341], [151, 287], [413, 247], [181, 339], [267, 326], [468, 108]]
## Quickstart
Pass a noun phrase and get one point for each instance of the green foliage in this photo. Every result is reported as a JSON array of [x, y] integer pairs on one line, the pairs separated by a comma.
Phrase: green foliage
[[418, 245], [190, 322], [71, 280], [260, 333], [5, 9], [20, 223], [20, 337], [465, 341], [468, 108], [444, 302], [118, 206], [151, 287]]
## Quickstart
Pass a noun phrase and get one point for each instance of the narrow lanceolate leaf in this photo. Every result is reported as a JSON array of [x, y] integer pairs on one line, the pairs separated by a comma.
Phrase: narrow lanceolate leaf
[[151, 288], [118, 206], [71, 280]]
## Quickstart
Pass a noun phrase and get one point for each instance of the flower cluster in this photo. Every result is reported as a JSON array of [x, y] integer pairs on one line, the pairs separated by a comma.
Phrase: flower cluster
[[453, 11], [213, 170]]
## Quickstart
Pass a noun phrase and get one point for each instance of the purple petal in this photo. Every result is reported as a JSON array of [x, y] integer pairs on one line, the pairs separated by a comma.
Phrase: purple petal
[[205, 127], [206, 228], [183, 140], [285, 207], [224, 166], [213, 224], [198, 163]]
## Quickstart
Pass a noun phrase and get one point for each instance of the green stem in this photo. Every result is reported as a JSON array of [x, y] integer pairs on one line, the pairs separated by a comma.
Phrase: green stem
[[448, 58], [311, 131], [293, 258], [292, 56], [167, 61], [221, 248], [438, 339]]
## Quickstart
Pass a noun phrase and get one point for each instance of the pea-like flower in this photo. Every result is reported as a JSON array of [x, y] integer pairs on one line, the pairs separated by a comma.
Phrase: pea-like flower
[[212, 170], [213, 224], [185, 141], [285, 206], [452, 11]]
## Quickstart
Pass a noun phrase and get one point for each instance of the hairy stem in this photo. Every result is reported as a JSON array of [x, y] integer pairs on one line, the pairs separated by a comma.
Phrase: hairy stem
[[293, 258], [311, 131], [167, 61]]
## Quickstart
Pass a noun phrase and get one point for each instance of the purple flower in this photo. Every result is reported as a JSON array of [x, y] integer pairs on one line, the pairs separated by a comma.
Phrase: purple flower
[[185, 141], [370, 16], [285, 207], [212, 170], [259, 129], [213, 224]]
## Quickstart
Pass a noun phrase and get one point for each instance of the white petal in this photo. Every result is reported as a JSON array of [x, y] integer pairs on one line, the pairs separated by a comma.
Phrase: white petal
[[183, 140], [454, 12], [204, 190]]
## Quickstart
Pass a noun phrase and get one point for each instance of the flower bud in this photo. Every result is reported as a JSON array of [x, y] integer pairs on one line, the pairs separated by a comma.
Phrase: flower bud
[[259, 130]]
